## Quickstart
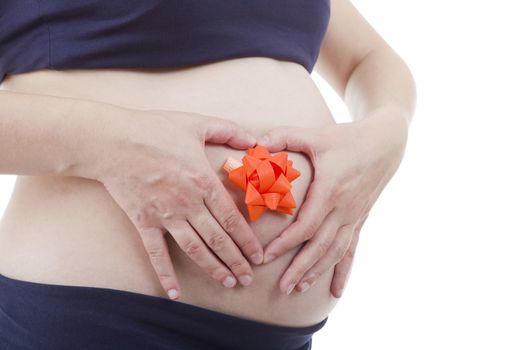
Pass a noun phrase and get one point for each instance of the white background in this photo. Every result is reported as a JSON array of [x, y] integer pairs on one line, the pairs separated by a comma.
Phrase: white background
[[440, 262], [441, 259]]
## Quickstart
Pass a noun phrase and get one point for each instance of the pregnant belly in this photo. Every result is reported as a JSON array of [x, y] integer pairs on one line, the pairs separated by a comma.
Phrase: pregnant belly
[[68, 230]]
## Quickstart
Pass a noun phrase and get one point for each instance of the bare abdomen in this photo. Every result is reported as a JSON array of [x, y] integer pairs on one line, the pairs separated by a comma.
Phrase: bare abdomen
[[66, 230]]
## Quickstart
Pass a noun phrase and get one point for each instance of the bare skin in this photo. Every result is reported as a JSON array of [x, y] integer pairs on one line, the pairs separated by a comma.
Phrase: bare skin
[[69, 230]]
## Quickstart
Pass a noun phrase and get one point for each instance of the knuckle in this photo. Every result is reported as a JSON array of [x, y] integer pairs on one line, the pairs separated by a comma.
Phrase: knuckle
[[142, 220], [246, 243], [156, 252], [230, 222], [180, 199], [317, 275], [204, 182], [216, 272], [161, 209], [217, 241], [164, 276], [338, 252], [322, 248], [147, 231], [298, 267], [237, 265], [313, 276], [309, 232], [193, 249], [226, 123]]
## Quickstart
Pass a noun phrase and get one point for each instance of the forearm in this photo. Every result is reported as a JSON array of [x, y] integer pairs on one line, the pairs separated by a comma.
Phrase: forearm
[[47, 135], [381, 82]]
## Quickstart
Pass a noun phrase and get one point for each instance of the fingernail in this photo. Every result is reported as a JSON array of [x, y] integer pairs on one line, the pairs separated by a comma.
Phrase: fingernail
[[245, 280], [338, 293], [228, 282], [269, 258], [264, 140], [173, 294], [303, 287], [290, 288], [257, 258]]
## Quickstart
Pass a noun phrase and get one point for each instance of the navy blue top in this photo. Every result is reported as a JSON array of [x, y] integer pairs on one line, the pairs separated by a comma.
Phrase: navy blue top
[[62, 34]]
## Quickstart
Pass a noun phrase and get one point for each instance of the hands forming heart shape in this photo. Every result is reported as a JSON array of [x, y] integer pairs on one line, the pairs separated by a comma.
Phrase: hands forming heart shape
[[353, 162]]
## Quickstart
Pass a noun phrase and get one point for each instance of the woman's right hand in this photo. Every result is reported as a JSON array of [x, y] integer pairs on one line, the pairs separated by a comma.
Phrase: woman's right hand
[[157, 172]]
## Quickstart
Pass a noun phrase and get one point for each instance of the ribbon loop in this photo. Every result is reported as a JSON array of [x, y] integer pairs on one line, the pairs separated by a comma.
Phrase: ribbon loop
[[266, 178]]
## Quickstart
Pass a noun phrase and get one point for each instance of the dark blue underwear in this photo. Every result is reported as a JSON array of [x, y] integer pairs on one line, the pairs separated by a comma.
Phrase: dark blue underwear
[[48, 316]]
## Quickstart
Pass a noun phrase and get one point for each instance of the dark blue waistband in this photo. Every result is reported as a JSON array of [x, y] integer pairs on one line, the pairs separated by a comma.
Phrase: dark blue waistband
[[48, 316]]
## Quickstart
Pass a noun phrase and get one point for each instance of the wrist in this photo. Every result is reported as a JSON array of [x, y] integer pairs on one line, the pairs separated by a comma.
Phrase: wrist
[[94, 135], [392, 121], [386, 132]]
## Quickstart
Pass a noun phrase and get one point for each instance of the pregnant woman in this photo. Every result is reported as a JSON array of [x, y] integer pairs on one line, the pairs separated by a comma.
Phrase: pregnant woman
[[123, 230]]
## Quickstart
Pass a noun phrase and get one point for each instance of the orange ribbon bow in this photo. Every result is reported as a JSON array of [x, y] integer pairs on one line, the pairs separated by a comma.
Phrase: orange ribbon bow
[[266, 179]]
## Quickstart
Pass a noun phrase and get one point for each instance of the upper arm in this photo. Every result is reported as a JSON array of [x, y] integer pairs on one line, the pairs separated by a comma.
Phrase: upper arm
[[348, 39]]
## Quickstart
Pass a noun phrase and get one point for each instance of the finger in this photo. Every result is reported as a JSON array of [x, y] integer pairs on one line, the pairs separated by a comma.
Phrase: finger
[[217, 130], [313, 212], [334, 255], [221, 206], [222, 245], [157, 249], [344, 267], [292, 138], [310, 253], [190, 242]]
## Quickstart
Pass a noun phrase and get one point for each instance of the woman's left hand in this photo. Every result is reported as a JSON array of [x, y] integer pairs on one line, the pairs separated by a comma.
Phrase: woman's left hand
[[353, 162]]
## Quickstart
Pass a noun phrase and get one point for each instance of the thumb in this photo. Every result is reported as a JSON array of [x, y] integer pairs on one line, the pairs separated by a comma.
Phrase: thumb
[[222, 131], [291, 138]]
